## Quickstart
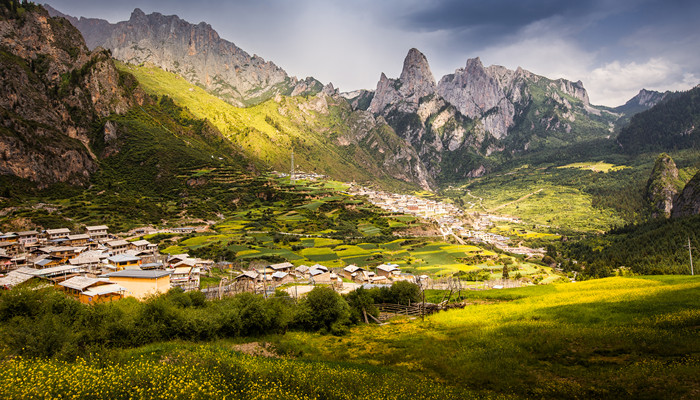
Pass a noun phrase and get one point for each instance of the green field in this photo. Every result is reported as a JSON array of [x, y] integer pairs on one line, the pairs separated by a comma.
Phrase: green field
[[622, 338], [616, 337]]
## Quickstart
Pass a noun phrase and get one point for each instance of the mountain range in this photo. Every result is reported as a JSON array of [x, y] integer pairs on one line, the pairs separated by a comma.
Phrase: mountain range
[[412, 129]]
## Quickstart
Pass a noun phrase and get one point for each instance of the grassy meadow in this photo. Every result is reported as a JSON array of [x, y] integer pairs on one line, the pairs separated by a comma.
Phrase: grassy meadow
[[616, 337], [623, 337]]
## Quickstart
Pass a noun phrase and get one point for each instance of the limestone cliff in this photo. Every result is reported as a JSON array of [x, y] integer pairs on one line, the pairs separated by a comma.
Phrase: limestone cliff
[[662, 186], [688, 202], [195, 52], [404, 94], [52, 89]]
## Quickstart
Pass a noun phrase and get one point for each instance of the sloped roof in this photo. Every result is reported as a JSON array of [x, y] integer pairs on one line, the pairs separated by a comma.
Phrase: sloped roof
[[248, 274], [283, 265], [56, 270], [353, 268], [104, 289], [138, 273], [123, 258], [279, 275], [182, 270], [388, 267], [79, 282], [319, 266], [14, 278], [97, 228], [59, 230], [302, 269]]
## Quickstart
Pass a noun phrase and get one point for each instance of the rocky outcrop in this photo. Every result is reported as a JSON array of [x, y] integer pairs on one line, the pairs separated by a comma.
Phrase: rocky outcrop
[[662, 186], [688, 202], [476, 93], [359, 99], [644, 100], [404, 94], [195, 52], [52, 91]]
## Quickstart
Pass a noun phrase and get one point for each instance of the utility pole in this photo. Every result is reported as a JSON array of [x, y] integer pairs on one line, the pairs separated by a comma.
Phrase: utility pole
[[291, 172], [690, 253]]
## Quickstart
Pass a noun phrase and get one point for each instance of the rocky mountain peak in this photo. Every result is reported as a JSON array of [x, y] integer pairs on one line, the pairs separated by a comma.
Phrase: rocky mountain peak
[[647, 98], [662, 186], [195, 51], [137, 14], [475, 92], [416, 77], [404, 94]]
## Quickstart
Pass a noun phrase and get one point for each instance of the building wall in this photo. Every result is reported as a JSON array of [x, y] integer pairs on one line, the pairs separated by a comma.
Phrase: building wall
[[142, 287]]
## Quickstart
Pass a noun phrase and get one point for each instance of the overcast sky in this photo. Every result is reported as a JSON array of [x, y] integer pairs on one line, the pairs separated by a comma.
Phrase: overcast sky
[[616, 47]]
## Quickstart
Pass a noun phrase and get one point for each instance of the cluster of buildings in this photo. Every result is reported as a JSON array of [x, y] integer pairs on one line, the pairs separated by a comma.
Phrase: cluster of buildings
[[283, 273], [407, 204], [94, 266]]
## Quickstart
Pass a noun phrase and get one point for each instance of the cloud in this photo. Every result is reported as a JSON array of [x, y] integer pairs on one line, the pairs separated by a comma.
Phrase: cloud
[[615, 83]]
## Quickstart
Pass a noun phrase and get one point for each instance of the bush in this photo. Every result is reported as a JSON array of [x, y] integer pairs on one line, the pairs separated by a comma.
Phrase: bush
[[323, 310], [404, 292], [358, 300]]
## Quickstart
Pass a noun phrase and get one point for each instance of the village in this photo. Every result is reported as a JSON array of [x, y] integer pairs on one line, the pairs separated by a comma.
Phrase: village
[[96, 266], [450, 219]]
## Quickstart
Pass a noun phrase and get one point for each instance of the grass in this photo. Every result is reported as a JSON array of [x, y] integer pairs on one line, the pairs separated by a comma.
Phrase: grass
[[617, 337], [188, 371], [267, 132], [599, 166]]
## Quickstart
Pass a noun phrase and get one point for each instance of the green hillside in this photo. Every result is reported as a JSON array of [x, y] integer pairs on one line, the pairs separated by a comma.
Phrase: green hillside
[[327, 137], [670, 125]]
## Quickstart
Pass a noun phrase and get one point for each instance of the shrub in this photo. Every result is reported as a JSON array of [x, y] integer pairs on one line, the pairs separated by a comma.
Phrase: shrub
[[325, 310]]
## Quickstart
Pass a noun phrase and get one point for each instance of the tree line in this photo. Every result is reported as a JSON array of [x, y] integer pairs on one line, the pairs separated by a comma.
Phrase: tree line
[[47, 323]]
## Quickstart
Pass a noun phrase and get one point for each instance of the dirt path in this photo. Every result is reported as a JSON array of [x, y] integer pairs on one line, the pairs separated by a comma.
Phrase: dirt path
[[514, 201]]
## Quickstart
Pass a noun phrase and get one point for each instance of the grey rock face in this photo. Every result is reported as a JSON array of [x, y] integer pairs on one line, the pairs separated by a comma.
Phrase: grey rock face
[[194, 51], [48, 116], [662, 186], [477, 94], [404, 94], [688, 202]]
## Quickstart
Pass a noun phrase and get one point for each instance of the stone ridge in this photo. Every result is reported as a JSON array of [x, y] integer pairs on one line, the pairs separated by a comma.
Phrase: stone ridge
[[52, 89], [688, 202], [195, 52], [662, 187], [416, 81]]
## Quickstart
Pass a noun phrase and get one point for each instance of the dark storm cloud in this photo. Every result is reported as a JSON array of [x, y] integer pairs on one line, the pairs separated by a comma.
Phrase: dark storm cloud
[[615, 47], [508, 16]]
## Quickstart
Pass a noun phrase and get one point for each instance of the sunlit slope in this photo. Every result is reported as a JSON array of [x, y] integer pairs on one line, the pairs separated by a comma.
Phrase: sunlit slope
[[327, 137], [616, 337]]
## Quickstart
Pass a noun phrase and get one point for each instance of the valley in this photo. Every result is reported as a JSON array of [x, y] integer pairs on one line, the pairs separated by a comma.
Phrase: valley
[[181, 218]]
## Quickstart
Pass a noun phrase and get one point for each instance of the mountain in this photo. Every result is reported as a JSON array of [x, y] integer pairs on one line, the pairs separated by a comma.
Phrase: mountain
[[662, 186], [464, 123], [643, 101], [671, 124], [325, 133], [195, 52], [688, 202], [53, 90]]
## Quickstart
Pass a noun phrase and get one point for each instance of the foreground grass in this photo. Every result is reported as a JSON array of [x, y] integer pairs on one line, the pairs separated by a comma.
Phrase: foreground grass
[[616, 337], [187, 371], [611, 338]]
